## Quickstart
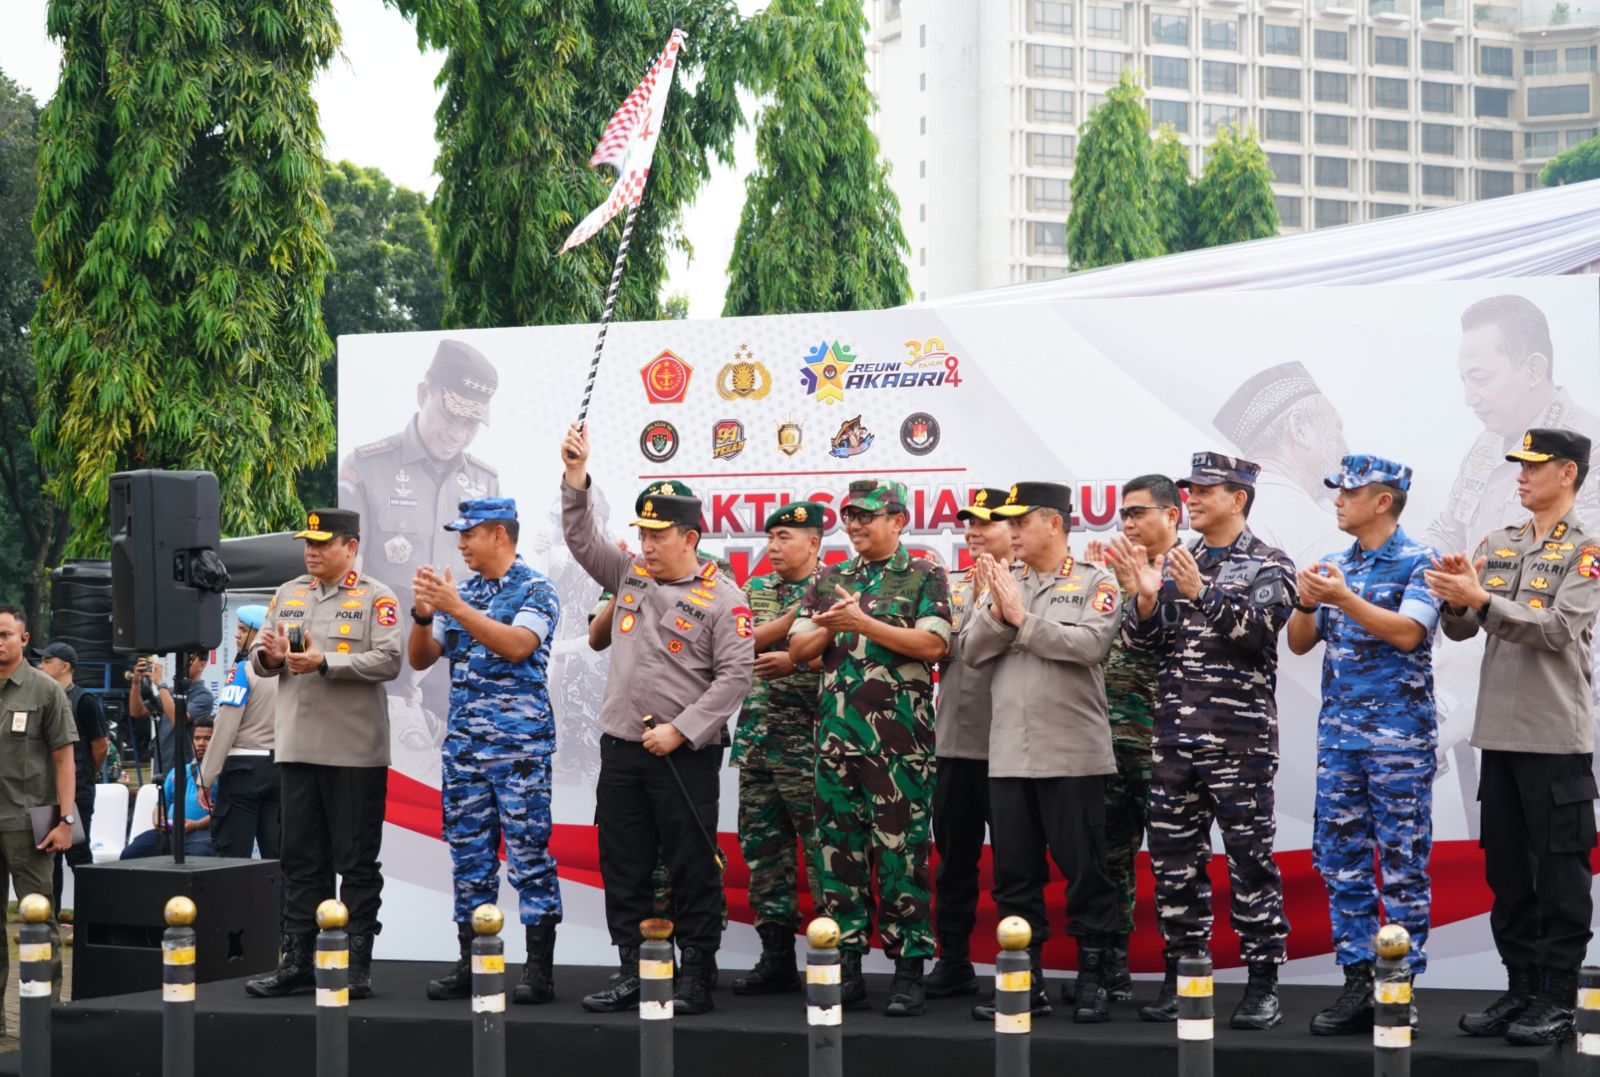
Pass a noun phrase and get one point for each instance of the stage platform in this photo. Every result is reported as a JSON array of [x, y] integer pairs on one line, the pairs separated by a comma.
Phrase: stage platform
[[401, 1032]]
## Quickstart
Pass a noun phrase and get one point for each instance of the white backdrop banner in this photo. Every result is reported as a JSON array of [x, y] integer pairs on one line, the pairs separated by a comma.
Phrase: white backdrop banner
[[756, 412]]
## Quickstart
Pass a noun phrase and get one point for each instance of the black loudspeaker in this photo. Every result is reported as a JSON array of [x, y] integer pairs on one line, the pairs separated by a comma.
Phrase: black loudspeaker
[[166, 578], [119, 917]]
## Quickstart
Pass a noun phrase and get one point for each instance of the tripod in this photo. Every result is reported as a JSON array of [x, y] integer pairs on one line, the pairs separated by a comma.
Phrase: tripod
[[180, 741]]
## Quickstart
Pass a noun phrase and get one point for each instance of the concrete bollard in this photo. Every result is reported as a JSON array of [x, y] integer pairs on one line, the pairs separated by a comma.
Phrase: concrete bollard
[[488, 993], [35, 953], [1587, 1020], [655, 999], [1013, 998], [1197, 1012], [1391, 991], [177, 990], [824, 1011], [333, 990]]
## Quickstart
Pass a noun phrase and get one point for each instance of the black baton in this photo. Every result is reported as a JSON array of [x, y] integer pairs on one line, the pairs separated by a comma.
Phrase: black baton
[[716, 852]]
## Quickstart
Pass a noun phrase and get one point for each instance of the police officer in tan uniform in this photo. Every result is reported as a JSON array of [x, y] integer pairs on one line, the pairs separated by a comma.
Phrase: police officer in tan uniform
[[1047, 631], [1534, 589], [683, 655], [332, 638]]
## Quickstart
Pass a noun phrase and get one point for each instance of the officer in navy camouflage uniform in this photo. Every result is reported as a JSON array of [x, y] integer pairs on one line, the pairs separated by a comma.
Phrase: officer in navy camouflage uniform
[[1213, 611], [495, 630], [1378, 728]]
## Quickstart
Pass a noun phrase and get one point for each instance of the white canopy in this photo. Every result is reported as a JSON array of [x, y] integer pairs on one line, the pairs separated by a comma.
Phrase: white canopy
[[1535, 234]]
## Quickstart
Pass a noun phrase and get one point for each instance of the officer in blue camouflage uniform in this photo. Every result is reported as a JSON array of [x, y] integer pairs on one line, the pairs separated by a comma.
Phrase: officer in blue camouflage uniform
[[1378, 728], [1212, 611], [495, 629]]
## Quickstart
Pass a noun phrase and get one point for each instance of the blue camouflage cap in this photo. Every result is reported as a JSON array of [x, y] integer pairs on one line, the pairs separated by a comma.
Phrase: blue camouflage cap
[[1214, 469], [481, 510], [1360, 469]]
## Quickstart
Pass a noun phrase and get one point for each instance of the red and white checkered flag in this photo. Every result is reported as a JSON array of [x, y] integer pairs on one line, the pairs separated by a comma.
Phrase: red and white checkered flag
[[629, 142]]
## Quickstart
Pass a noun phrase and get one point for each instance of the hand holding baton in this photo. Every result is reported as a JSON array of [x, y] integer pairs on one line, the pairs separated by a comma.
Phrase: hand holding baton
[[711, 841]]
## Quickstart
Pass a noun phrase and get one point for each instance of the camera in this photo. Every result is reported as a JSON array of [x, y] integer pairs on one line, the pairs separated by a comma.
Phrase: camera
[[297, 639]]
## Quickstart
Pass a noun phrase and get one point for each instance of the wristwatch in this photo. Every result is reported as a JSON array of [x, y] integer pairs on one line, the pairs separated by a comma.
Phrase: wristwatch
[[421, 620], [70, 819], [1305, 609]]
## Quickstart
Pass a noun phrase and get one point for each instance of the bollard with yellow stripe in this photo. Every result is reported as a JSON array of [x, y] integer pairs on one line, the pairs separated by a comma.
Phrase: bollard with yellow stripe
[[488, 992], [1013, 998], [177, 989], [655, 999], [1392, 998], [1196, 1016], [1586, 1020], [36, 956], [824, 1004], [333, 990]]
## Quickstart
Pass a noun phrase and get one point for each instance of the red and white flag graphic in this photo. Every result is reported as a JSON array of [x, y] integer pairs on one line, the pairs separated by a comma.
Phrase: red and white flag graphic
[[629, 142]]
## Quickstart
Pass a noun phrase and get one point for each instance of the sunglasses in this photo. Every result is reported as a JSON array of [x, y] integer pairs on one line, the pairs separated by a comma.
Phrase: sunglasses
[[859, 516], [1135, 512]]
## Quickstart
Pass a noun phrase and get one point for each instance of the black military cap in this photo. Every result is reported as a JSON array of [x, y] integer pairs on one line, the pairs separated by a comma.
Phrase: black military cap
[[983, 504], [1024, 497], [465, 379], [804, 514], [1544, 443], [323, 524], [662, 511], [1262, 398]]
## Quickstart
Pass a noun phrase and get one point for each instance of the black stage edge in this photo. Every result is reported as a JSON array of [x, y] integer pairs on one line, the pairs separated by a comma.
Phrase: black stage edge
[[400, 1031]]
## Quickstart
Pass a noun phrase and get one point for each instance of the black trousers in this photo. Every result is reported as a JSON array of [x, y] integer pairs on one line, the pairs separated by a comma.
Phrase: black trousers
[[247, 810], [641, 812], [960, 822], [80, 853], [1538, 829], [332, 825], [1065, 817]]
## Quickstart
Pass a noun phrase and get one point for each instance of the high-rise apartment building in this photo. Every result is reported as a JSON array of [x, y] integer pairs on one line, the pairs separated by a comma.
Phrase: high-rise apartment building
[[1366, 108]]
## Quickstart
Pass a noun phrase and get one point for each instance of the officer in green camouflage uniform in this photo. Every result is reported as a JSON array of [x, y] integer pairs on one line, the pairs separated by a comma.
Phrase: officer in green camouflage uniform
[[1150, 516], [775, 748], [879, 622]]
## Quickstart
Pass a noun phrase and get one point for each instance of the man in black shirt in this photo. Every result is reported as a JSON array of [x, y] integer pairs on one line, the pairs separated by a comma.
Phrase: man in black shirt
[[59, 662]]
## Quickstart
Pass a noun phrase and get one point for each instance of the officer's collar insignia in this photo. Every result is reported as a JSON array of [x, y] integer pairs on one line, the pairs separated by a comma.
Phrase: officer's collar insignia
[[708, 572], [350, 578], [1561, 529], [1066, 566]]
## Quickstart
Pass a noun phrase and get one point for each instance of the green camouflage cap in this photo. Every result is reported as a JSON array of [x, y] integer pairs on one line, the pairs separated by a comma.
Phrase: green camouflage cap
[[877, 495], [797, 514]]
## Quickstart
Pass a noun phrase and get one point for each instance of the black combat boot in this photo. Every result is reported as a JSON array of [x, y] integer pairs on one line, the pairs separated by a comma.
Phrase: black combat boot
[[1039, 993], [774, 972], [1549, 1018], [953, 974], [1259, 1007], [1090, 1000], [295, 972], [852, 988], [457, 983], [1497, 1018], [1165, 1007], [1352, 1011], [691, 991], [622, 992], [1119, 981], [538, 983], [906, 995], [361, 966]]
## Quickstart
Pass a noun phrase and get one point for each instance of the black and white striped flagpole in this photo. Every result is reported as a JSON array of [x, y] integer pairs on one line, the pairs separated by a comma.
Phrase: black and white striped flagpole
[[177, 989]]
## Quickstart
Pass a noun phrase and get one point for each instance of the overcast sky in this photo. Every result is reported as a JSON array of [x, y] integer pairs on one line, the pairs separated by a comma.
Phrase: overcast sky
[[377, 101]]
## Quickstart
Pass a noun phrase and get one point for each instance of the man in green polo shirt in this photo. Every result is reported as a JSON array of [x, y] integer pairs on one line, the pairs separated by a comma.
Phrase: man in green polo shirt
[[37, 767]]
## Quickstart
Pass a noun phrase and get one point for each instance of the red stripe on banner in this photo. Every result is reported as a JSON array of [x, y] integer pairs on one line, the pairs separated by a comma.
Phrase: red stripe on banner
[[1456, 869]]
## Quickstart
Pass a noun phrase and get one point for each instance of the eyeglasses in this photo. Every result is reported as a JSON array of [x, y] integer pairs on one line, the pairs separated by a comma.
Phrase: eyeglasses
[[859, 516], [1134, 512]]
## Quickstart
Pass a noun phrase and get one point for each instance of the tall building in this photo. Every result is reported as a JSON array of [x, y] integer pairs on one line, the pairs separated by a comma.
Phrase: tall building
[[1366, 108]]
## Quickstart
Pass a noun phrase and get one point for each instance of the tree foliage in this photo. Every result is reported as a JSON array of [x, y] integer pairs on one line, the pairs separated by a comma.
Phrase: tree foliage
[[1172, 192], [528, 88], [1112, 219], [1573, 165], [181, 240], [1234, 197], [33, 529], [820, 229]]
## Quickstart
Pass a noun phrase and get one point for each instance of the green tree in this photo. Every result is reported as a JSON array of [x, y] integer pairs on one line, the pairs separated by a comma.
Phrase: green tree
[[1234, 196], [1113, 219], [33, 529], [181, 239], [820, 228], [528, 88], [1574, 165], [385, 278], [1173, 191], [675, 307]]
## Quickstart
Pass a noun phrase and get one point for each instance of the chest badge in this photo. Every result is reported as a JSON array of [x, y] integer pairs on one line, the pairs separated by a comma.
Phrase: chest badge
[[1505, 552], [1539, 583], [682, 625], [398, 550], [1494, 581], [626, 622], [675, 645], [1536, 602]]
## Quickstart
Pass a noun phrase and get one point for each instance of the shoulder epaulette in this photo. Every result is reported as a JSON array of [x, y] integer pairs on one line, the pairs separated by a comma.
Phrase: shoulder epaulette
[[386, 445]]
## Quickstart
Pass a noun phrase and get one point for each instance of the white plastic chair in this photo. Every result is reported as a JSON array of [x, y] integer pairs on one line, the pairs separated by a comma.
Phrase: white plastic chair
[[108, 828], [144, 806]]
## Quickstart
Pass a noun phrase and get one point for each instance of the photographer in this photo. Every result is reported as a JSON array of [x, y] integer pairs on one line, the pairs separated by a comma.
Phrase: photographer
[[196, 823], [199, 704]]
